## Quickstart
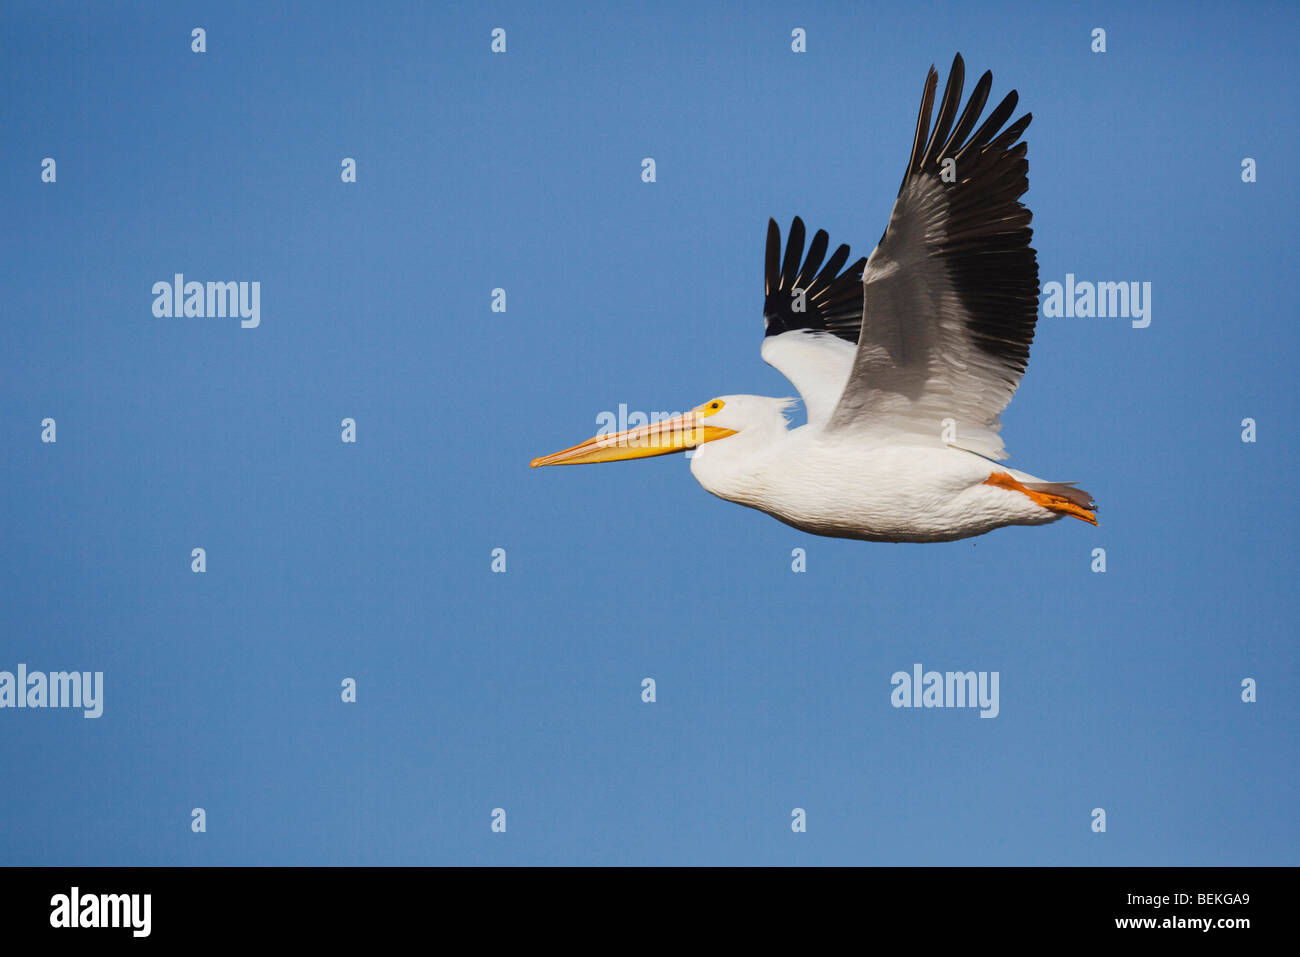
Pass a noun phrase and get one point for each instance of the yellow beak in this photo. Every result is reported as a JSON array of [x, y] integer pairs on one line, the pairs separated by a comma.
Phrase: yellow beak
[[657, 438]]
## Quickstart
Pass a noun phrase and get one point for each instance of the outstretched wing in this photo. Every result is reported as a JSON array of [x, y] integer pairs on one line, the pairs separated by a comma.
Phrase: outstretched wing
[[812, 312], [950, 295]]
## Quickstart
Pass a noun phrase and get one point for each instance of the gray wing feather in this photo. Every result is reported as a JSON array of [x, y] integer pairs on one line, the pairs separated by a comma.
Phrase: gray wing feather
[[950, 295]]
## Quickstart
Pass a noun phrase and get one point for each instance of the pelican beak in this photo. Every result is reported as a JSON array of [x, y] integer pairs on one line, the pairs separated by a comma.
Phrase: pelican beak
[[657, 438]]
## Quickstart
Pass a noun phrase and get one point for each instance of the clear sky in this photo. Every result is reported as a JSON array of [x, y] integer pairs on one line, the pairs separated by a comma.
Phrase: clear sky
[[521, 690]]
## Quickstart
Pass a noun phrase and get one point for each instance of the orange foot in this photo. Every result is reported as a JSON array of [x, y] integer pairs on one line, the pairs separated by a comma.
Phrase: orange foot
[[1059, 498]]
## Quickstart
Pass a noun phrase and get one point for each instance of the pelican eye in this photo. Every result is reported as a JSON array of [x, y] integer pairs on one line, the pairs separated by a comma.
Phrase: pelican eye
[[711, 407]]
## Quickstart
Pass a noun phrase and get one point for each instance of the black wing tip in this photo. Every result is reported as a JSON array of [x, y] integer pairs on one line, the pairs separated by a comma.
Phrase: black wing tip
[[949, 136], [832, 296], [986, 245]]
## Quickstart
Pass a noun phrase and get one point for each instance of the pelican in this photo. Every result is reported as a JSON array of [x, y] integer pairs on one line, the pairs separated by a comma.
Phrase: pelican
[[904, 360]]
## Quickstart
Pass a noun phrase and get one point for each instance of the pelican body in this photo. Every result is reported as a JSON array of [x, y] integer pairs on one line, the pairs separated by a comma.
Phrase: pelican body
[[904, 360]]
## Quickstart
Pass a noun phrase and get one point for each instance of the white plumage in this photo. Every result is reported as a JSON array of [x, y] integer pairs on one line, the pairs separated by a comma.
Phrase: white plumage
[[900, 488]]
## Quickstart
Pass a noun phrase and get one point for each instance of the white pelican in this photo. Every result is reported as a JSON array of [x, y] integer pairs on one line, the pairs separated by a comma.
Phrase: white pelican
[[904, 360]]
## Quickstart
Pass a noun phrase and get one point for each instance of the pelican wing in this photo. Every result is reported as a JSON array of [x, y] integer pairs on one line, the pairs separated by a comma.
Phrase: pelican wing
[[812, 312], [950, 295]]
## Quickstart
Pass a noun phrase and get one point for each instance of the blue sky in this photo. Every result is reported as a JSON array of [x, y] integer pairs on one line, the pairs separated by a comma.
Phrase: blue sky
[[521, 690]]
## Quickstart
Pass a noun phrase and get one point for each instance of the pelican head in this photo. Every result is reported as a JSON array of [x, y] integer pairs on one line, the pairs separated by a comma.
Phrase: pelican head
[[718, 418]]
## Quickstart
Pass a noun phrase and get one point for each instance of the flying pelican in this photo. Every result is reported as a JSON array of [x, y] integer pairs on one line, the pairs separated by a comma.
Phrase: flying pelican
[[904, 360]]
